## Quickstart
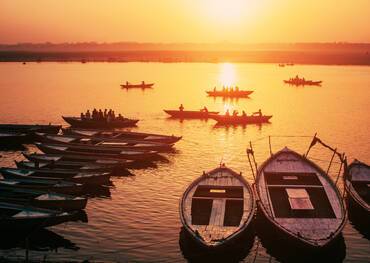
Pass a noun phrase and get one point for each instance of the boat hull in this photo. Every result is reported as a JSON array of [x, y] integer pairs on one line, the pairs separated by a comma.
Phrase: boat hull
[[230, 120], [98, 124], [230, 94], [137, 86], [189, 114]]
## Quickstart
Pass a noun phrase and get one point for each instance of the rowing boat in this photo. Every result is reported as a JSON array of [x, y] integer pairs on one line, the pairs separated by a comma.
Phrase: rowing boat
[[251, 119], [102, 151], [190, 114], [217, 207], [107, 134], [44, 184], [57, 175], [42, 199], [16, 217], [27, 128], [230, 94], [123, 144], [357, 183], [300, 200], [99, 124], [12, 139], [137, 86], [301, 82]]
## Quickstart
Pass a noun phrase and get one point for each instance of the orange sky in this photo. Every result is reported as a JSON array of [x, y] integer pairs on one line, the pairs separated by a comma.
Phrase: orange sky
[[239, 21]]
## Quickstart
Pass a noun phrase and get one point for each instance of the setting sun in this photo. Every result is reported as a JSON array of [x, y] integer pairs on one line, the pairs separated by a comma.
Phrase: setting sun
[[224, 11]]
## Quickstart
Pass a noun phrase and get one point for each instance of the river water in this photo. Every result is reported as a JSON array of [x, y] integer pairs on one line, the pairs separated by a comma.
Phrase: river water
[[138, 220]]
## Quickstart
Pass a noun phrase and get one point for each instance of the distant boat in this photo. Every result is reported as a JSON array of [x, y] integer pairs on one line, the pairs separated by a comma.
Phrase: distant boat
[[302, 82], [217, 207], [240, 119], [190, 114], [142, 85], [150, 137], [92, 123], [230, 93], [357, 183], [300, 200]]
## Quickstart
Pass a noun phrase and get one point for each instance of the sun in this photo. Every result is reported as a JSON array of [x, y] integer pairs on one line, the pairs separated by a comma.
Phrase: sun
[[227, 75], [225, 11]]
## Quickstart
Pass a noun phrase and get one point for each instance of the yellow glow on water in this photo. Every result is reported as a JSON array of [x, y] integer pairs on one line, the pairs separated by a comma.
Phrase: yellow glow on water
[[227, 75]]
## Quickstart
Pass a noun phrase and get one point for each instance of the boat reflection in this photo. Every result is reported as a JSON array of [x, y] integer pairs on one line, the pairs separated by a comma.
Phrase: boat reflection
[[284, 250], [233, 252], [40, 240], [98, 191]]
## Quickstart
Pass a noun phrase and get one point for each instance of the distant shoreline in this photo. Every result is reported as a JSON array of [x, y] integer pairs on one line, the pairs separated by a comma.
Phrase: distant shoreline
[[336, 57]]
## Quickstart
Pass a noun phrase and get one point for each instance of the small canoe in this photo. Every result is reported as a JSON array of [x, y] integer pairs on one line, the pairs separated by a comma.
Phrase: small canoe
[[42, 199], [230, 94], [91, 141], [99, 124], [300, 200], [190, 114], [57, 175], [357, 183], [12, 139], [217, 207], [251, 119], [137, 86], [16, 217], [44, 184], [102, 151], [28, 128], [107, 134]]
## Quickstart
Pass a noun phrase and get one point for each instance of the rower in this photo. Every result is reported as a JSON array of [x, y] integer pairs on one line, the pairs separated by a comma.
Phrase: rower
[[214, 89], [205, 109], [142, 82], [244, 114], [260, 112], [88, 115], [82, 116], [181, 108], [235, 113], [227, 113]]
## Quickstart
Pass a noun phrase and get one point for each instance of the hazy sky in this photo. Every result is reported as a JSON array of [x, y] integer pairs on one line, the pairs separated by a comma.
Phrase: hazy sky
[[239, 21]]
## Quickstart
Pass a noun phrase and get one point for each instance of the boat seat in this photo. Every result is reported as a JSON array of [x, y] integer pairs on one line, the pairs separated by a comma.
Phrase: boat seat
[[299, 199], [291, 178]]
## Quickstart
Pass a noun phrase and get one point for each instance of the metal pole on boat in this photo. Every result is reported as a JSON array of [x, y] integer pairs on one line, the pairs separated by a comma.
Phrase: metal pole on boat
[[270, 145]]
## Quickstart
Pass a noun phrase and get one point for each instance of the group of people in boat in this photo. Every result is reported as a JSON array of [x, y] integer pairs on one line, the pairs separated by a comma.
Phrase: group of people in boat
[[297, 79], [106, 115], [227, 89], [244, 114]]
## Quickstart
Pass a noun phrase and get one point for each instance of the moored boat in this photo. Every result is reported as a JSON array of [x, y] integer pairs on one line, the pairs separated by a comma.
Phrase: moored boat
[[108, 134], [104, 124], [190, 114], [357, 183], [217, 207], [16, 217], [300, 200], [123, 144], [28, 128], [42, 199], [12, 139], [57, 175], [44, 184], [102, 151]]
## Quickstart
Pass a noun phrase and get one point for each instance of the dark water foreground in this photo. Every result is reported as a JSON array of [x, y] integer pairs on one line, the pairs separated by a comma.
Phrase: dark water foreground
[[136, 219]]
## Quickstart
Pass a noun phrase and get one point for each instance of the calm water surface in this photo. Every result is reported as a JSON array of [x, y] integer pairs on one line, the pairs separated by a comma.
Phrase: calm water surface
[[139, 221]]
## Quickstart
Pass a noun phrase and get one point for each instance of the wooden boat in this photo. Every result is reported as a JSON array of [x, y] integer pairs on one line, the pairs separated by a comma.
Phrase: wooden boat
[[27, 128], [357, 184], [16, 217], [91, 141], [110, 152], [107, 134], [137, 86], [76, 161], [190, 114], [10, 139], [57, 175], [68, 165], [99, 124], [230, 94], [42, 199], [300, 200], [217, 207], [44, 184], [240, 119]]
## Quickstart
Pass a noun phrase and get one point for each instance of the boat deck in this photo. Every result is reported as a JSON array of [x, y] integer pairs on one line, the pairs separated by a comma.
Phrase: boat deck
[[217, 206]]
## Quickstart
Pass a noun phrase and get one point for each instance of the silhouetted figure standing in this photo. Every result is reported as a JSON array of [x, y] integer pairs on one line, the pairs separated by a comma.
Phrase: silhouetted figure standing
[[181, 108]]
